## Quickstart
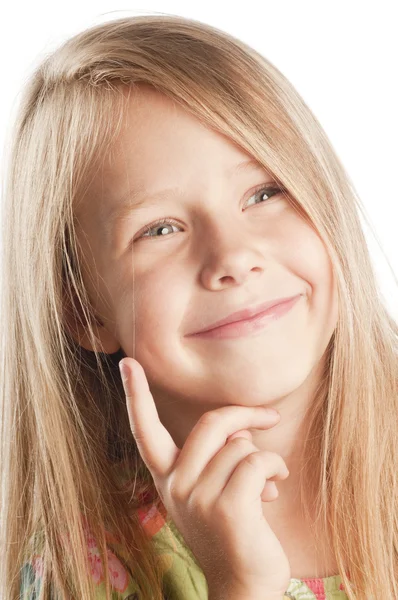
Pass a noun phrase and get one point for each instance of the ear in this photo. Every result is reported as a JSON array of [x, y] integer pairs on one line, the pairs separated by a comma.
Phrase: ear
[[72, 314]]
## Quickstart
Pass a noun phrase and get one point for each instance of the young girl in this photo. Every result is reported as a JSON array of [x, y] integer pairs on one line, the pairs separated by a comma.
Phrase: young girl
[[171, 200]]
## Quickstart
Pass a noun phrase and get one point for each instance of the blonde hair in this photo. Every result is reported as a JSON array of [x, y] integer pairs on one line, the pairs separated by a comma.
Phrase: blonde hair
[[63, 413]]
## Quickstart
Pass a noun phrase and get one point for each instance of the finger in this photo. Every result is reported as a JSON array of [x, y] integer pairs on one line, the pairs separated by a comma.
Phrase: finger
[[270, 491], [250, 476], [155, 444], [245, 433], [218, 472], [209, 436]]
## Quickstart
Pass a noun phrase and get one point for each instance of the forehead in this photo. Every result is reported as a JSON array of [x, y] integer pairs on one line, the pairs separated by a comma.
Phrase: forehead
[[161, 144], [161, 149]]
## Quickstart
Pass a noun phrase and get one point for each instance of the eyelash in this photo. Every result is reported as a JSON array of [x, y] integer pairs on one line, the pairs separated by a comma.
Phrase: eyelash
[[170, 221]]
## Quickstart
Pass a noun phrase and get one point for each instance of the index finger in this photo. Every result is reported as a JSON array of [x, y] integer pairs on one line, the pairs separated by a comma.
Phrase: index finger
[[154, 442]]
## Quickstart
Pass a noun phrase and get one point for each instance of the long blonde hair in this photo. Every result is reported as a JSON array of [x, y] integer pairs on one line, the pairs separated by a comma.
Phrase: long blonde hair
[[63, 413]]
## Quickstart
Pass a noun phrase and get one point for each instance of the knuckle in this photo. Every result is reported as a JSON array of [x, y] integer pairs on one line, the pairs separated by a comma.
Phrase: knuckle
[[225, 508], [253, 460], [241, 442], [197, 503], [177, 493], [137, 433], [211, 417], [279, 462]]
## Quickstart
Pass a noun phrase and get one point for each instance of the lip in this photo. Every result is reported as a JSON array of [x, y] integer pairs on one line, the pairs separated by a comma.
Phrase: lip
[[249, 314]]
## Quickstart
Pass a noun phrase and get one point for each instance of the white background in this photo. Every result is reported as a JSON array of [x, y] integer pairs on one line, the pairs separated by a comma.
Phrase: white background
[[340, 55]]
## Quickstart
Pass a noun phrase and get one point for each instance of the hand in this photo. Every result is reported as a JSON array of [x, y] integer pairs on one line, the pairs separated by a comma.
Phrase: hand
[[212, 488]]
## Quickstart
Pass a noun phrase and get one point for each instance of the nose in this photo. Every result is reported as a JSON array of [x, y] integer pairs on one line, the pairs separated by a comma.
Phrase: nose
[[232, 256]]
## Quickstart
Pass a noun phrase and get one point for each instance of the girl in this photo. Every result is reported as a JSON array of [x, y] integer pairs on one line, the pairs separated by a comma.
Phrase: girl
[[165, 177]]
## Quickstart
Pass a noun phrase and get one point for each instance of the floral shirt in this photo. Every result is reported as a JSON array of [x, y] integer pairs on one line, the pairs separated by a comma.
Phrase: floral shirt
[[182, 579]]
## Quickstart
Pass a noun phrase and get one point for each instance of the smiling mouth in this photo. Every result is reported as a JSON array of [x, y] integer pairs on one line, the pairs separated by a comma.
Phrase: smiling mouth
[[250, 325]]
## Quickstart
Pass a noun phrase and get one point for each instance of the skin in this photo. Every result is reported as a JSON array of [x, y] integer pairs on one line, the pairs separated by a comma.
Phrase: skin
[[228, 250]]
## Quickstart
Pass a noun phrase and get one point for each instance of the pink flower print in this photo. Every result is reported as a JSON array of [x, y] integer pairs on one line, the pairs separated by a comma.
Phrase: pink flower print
[[316, 586], [118, 576], [117, 573], [37, 564], [342, 586], [95, 564]]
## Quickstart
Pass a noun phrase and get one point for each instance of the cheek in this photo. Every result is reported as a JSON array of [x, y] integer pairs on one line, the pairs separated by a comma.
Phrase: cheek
[[157, 303], [304, 252], [315, 267]]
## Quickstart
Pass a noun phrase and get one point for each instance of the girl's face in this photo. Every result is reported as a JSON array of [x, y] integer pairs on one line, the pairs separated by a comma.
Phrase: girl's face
[[228, 247]]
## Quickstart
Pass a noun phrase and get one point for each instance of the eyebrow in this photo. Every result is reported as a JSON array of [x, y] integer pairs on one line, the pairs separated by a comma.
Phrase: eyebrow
[[134, 200]]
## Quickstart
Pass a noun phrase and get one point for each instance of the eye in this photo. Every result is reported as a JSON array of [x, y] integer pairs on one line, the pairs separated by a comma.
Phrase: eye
[[268, 190], [161, 225]]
